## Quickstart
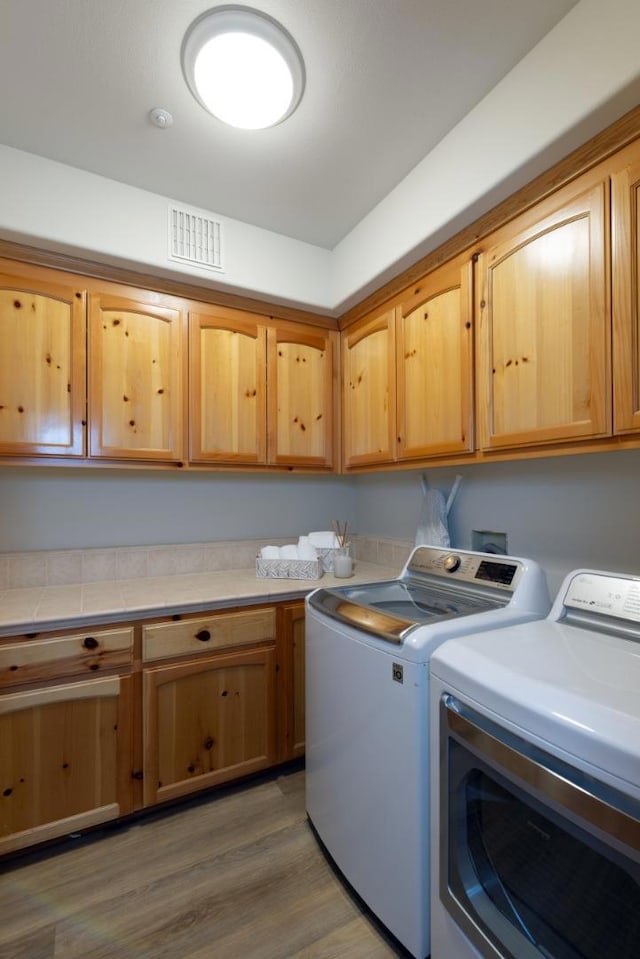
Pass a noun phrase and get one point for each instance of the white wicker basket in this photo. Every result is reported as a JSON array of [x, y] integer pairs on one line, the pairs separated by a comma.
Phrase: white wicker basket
[[326, 556], [288, 568]]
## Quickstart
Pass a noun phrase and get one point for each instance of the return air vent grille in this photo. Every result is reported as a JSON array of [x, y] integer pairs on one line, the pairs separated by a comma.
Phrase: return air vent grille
[[194, 238]]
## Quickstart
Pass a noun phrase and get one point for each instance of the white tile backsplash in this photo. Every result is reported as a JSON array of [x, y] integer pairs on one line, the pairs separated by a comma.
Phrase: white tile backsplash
[[98, 565], [27, 569], [161, 561], [132, 564], [124, 565], [64, 567]]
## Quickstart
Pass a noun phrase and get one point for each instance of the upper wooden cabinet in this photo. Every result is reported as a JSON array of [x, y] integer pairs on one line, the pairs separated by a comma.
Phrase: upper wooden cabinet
[[625, 216], [408, 374], [434, 336], [369, 391], [301, 389], [137, 346], [42, 363], [261, 393], [544, 327], [227, 371]]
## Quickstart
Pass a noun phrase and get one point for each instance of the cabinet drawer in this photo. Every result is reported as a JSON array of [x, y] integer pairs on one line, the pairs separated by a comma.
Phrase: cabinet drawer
[[164, 640], [36, 660]]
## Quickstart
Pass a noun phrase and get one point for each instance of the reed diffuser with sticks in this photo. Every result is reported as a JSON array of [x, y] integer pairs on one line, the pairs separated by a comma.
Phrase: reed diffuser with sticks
[[341, 533], [342, 562]]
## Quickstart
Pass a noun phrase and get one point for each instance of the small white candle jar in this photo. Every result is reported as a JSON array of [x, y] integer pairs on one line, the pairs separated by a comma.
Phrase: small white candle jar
[[342, 563]]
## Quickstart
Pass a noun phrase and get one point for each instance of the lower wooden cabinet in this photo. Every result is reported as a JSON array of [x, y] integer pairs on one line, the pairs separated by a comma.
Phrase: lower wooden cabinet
[[179, 705], [65, 759], [292, 676], [208, 721]]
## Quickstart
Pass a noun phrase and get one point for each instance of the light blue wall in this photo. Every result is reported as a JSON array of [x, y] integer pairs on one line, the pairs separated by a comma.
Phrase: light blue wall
[[65, 509], [565, 512]]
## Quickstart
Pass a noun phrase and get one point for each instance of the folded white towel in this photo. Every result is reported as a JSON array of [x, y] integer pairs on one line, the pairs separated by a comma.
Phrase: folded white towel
[[270, 552], [289, 552], [305, 549], [324, 539]]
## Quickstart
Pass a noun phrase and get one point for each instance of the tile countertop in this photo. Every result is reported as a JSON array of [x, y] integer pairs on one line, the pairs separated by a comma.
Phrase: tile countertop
[[39, 608]]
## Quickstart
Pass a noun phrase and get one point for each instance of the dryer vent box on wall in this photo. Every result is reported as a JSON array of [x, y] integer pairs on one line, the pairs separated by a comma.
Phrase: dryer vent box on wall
[[195, 238], [489, 541]]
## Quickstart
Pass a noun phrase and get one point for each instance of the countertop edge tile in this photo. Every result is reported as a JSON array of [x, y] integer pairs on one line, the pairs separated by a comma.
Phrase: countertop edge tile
[[56, 609]]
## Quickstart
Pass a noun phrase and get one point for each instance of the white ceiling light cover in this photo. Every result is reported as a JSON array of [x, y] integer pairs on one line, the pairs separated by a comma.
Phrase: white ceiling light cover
[[243, 67]]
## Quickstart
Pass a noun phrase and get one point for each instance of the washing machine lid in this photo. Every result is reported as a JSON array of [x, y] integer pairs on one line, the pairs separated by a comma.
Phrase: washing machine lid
[[575, 688], [392, 609], [436, 586]]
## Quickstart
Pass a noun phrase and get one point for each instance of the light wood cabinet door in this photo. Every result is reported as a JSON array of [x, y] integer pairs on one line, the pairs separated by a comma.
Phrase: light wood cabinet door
[[625, 215], [435, 365], [65, 759], [136, 383], [301, 373], [42, 364], [369, 391], [208, 721], [544, 324], [227, 357], [291, 659]]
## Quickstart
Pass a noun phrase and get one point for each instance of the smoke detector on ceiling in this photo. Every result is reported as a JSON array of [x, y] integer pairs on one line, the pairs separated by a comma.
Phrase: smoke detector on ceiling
[[160, 118]]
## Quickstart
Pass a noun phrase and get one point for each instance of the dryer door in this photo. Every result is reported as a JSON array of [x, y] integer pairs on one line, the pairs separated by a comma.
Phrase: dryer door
[[536, 859]]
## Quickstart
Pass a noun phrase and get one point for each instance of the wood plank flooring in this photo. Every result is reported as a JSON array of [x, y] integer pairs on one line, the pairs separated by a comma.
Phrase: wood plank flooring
[[234, 875]]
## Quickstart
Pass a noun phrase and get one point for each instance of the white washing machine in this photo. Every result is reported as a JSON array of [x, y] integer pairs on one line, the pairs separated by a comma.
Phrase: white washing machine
[[367, 707], [536, 782]]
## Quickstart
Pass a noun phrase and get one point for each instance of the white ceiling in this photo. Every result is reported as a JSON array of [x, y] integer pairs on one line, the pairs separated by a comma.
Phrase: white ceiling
[[386, 80]]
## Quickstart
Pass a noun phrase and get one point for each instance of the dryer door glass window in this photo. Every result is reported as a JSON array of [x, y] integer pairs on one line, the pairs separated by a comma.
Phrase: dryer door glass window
[[533, 882]]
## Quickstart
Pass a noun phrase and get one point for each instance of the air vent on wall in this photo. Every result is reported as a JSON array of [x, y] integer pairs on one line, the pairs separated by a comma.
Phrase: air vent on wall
[[194, 238]]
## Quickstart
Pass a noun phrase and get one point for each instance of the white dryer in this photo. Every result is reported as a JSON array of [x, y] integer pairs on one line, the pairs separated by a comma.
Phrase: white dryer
[[367, 707], [536, 782]]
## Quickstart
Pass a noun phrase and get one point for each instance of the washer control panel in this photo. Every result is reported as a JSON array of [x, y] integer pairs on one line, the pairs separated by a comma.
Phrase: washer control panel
[[501, 571]]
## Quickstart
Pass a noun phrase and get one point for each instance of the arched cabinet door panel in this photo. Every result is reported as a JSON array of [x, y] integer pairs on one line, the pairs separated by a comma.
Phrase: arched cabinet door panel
[[227, 365], [65, 759], [544, 323], [435, 364], [207, 721], [302, 395], [136, 377], [42, 363], [369, 391]]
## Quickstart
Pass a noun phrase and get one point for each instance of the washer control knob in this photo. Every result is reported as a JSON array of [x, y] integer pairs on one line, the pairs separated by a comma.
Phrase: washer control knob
[[452, 563]]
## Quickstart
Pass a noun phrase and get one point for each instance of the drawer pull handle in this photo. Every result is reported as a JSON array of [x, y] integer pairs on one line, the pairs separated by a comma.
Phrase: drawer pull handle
[[204, 635], [90, 642]]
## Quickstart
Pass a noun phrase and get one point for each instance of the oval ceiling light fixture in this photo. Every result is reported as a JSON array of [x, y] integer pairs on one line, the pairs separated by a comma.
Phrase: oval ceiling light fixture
[[243, 67]]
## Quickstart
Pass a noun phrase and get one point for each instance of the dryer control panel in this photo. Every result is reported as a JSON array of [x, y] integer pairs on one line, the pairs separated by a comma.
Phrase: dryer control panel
[[604, 594]]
